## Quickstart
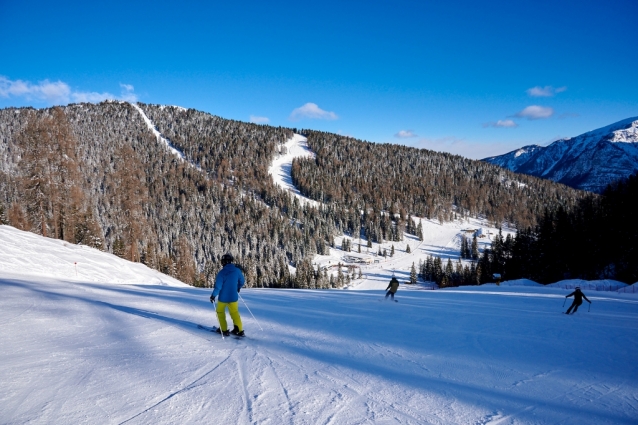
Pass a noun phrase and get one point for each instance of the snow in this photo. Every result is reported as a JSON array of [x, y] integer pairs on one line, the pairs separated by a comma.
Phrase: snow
[[281, 167], [91, 349], [520, 282], [592, 285], [626, 135], [439, 240], [25, 253], [630, 289]]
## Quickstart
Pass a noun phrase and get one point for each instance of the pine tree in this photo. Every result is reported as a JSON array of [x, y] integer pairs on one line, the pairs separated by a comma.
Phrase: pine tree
[[413, 275], [3, 215], [449, 270], [119, 249], [340, 278], [419, 231], [475, 251], [407, 248]]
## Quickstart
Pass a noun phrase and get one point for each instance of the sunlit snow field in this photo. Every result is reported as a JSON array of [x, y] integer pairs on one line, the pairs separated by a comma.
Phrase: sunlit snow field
[[118, 343]]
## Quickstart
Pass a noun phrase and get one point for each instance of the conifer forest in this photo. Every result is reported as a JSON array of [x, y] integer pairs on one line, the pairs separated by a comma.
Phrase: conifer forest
[[96, 174]]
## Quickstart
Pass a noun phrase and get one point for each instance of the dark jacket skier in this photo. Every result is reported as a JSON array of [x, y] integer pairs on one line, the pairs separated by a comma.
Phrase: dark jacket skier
[[228, 282], [393, 286], [578, 300]]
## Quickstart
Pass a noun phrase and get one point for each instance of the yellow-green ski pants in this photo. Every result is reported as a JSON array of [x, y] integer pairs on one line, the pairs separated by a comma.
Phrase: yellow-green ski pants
[[233, 309]]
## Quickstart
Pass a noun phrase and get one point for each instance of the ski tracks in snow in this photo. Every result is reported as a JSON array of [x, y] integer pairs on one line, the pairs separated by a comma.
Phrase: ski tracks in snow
[[188, 387]]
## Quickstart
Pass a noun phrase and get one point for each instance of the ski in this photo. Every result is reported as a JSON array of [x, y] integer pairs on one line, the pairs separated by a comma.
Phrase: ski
[[214, 329], [206, 328]]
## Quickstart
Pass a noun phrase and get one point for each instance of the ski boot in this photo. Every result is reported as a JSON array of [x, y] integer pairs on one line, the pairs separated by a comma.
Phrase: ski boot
[[225, 333], [237, 332]]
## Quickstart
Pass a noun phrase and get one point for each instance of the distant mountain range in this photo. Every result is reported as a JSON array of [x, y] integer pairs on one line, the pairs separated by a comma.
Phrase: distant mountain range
[[589, 162]]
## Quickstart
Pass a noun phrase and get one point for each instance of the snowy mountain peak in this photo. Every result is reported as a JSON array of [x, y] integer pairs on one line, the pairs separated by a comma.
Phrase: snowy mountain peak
[[589, 161], [627, 134], [621, 131]]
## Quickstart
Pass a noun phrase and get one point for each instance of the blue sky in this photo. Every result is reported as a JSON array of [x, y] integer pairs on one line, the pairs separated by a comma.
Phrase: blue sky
[[472, 78]]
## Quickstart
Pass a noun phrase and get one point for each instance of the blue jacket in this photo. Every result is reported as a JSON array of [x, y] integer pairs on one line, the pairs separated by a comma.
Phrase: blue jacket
[[227, 283]]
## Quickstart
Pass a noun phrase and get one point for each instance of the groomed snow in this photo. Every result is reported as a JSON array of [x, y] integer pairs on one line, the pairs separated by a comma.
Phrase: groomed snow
[[25, 253], [281, 167], [77, 351]]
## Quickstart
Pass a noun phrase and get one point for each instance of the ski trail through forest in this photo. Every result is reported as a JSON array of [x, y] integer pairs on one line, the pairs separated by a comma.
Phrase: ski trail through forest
[[281, 167]]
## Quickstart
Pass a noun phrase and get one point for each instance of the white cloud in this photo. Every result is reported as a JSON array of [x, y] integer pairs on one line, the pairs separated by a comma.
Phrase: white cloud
[[127, 93], [547, 91], [535, 112], [405, 134], [45, 91], [58, 92], [312, 111], [501, 124], [259, 120]]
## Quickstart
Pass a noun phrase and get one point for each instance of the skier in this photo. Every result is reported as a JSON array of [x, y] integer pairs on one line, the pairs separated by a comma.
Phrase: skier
[[392, 286], [228, 282], [578, 300]]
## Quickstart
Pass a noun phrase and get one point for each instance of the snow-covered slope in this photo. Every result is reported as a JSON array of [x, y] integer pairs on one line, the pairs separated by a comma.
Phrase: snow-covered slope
[[590, 161], [77, 351], [281, 167], [26, 253]]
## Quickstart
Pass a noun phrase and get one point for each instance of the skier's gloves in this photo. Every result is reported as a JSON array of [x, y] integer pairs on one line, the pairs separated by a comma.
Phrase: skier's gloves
[[212, 299], [238, 289]]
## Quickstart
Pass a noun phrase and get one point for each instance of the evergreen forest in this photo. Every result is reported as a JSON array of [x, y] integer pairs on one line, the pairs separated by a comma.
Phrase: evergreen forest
[[96, 174], [594, 240]]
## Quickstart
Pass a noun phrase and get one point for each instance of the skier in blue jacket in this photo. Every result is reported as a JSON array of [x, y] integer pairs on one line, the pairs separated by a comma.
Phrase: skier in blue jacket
[[228, 282]]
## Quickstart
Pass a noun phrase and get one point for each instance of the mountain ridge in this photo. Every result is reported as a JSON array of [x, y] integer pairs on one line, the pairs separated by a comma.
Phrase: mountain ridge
[[590, 161]]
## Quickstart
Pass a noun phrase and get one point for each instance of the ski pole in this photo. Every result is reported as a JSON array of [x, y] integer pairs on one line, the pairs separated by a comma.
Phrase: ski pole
[[219, 325], [251, 313], [564, 301], [589, 309]]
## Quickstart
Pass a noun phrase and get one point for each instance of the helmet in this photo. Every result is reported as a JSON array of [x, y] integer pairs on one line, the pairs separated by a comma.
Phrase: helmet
[[227, 258]]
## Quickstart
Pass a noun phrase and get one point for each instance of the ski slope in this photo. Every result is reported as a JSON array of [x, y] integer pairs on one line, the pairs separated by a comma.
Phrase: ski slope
[[439, 239], [281, 167], [94, 349]]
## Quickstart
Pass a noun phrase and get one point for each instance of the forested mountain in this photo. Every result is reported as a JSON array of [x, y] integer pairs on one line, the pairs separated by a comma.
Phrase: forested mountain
[[420, 182], [102, 175], [590, 161]]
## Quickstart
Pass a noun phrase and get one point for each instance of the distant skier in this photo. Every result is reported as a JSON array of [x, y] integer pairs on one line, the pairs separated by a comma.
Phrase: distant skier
[[228, 282], [392, 287], [578, 300]]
